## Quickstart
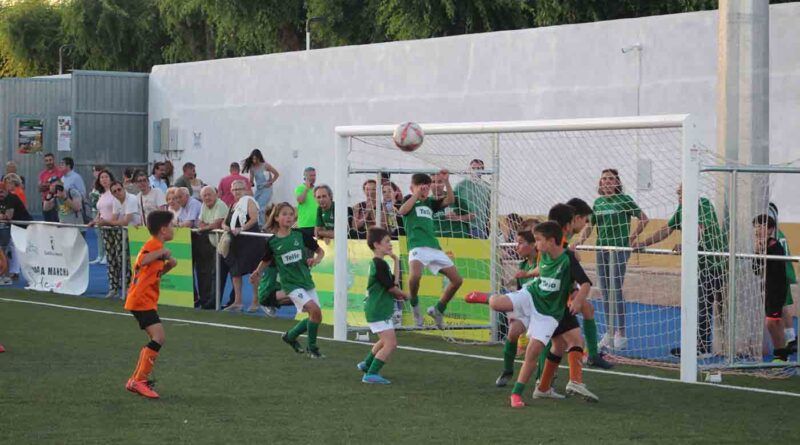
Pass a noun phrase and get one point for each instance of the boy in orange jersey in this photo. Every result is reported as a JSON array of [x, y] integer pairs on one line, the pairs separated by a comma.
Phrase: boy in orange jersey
[[153, 261]]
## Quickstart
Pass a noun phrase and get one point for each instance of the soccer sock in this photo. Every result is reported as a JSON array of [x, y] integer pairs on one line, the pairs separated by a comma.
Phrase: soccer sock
[[575, 356], [509, 353], [414, 300], [549, 372], [789, 334], [541, 360], [441, 307], [590, 333], [519, 388], [312, 334], [375, 367], [147, 359], [298, 329], [369, 359]]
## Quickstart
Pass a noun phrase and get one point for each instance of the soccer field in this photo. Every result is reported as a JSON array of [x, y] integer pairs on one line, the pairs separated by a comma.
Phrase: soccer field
[[230, 379]]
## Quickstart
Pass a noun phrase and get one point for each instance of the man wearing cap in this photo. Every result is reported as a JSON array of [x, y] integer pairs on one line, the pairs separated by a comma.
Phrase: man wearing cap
[[306, 204]]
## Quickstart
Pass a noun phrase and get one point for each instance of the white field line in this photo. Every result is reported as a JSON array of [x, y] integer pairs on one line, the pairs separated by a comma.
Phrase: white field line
[[411, 348]]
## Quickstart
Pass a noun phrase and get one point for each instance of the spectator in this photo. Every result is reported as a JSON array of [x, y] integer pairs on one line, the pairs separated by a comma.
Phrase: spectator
[[612, 215], [126, 207], [70, 178], [245, 251], [472, 197], [11, 208], [14, 186], [262, 176], [204, 245], [173, 203], [169, 170], [447, 222], [129, 182], [306, 204], [190, 181], [190, 209], [711, 269], [224, 188], [111, 237], [50, 171], [776, 282], [150, 199], [158, 178], [94, 196], [364, 211], [68, 202], [325, 213], [389, 217], [11, 167]]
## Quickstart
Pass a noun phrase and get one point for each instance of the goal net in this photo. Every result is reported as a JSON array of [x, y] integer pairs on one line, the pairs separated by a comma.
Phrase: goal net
[[628, 170]]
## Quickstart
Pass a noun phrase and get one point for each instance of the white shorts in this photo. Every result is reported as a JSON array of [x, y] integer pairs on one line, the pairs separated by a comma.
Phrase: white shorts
[[380, 326], [540, 327], [302, 296], [434, 259]]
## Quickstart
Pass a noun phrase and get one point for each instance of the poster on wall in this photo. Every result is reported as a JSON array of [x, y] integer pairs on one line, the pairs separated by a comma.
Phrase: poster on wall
[[64, 133], [30, 135], [52, 259]]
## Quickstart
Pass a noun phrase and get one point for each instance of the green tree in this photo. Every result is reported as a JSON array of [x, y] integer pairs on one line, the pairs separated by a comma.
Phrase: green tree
[[347, 22], [30, 35], [114, 34]]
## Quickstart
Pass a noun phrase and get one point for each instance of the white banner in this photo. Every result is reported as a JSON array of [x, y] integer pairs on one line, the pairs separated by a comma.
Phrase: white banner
[[64, 133], [52, 258]]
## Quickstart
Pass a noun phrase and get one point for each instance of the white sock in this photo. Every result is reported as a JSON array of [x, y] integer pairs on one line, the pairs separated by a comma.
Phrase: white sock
[[789, 334]]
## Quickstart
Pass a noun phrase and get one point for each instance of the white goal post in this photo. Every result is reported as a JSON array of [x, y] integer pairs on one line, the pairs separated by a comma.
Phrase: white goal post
[[689, 174]]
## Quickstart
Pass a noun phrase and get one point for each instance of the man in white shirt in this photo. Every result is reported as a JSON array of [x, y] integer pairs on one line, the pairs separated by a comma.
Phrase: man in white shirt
[[158, 178], [150, 199], [126, 207]]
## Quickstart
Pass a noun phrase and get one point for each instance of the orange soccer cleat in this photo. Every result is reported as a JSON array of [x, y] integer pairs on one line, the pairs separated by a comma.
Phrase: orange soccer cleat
[[141, 388], [477, 297], [516, 401], [2, 349]]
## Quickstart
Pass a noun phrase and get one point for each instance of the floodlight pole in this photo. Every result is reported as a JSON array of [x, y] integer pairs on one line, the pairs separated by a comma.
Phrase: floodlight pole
[[309, 21], [61, 56]]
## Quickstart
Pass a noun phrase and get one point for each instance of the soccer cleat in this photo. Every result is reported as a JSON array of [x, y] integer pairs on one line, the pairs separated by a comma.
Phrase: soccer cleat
[[438, 317], [599, 361], [141, 388], [112, 294], [620, 342], [607, 341], [792, 346], [477, 297], [2, 349], [269, 311], [503, 379], [314, 353], [375, 379], [516, 401], [293, 343], [417, 316], [549, 394], [362, 366], [579, 389]]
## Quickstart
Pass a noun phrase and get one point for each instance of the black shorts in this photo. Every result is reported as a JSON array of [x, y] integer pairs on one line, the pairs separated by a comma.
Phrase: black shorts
[[773, 305], [567, 323], [146, 318]]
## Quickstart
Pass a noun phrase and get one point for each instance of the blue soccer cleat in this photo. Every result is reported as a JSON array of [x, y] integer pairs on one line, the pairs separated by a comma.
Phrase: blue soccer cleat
[[375, 379]]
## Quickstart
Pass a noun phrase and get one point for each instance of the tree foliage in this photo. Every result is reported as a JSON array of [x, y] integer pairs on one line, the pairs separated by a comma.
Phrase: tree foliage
[[30, 34]]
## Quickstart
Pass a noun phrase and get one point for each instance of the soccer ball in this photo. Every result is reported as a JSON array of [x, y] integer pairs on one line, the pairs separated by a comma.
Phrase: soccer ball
[[408, 136]]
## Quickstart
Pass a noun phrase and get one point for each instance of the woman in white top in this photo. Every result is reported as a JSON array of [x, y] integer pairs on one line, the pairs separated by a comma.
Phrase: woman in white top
[[262, 176], [245, 251]]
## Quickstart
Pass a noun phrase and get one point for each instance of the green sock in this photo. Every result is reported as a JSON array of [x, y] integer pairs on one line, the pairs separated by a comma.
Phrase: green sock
[[298, 329], [590, 333], [312, 334], [441, 307], [414, 300], [542, 358], [519, 388], [375, 367], [369, 359], [509, 354]]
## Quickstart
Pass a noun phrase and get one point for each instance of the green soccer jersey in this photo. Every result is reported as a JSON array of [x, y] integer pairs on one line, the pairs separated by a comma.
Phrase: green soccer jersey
[[527, 266], [790, 274], [551, 289], [711, 237], [268, 284], [289, 254], [418, 223], [612, 216], [379, 304], [325, 217]]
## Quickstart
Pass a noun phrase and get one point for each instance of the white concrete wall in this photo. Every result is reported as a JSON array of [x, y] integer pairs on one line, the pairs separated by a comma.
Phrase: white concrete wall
[[289, 103]]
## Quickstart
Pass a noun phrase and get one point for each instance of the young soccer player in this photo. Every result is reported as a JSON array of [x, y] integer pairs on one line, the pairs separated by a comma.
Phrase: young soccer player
[[544, 302], [775, 282], [382, 292], [152, 262], [423, 247], [288, 249], [788, 317]]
